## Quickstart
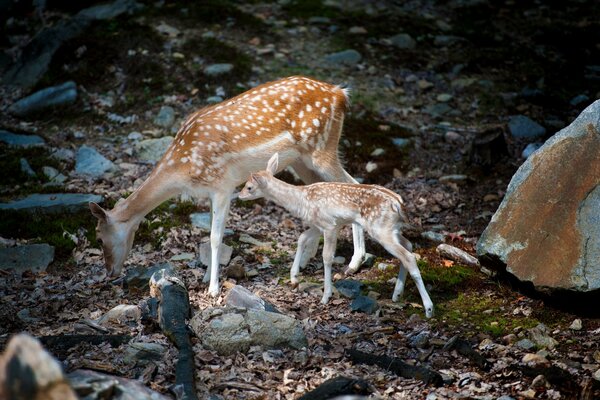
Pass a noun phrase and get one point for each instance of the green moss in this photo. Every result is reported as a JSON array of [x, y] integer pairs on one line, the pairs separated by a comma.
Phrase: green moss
[[48, 228], [170, 214], [445, 278]]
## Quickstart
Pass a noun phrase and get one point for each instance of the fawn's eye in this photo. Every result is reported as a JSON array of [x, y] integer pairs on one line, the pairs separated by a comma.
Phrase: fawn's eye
[[250, 187]]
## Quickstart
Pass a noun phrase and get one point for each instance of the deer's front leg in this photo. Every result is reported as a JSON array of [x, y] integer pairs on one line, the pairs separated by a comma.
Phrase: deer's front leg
[[220, 209], [330, 240], [304, 252], [358, 237]]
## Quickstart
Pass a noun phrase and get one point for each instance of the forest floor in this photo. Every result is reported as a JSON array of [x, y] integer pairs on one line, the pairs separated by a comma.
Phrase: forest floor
[[473, 64]]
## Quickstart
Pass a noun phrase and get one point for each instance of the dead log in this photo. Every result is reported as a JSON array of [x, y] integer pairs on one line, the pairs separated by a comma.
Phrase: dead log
[[396, 366], [173, 310], [338, 386], [60, 344], [464, 348]]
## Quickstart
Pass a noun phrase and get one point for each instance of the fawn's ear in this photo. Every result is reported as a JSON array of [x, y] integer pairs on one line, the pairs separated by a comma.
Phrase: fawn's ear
[[273, 164], [98, 211], [257, 179]]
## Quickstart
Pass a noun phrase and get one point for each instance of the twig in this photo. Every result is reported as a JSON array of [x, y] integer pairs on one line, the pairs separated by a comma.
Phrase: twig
[[386, 329]]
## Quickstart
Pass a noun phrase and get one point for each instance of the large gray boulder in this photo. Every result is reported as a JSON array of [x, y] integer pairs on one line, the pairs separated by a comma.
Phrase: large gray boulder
[[53, 202], [96, 385], [547, 229], [228, 330], [30, 257]]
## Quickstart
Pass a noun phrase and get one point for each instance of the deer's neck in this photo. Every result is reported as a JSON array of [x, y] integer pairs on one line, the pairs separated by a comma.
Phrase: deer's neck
[[290, 197], [151, 193]]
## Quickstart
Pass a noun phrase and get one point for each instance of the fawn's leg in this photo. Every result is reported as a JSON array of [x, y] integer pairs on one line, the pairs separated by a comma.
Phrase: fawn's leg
[[409, 262], [303, 252], [330, 239], [401, 280], [220, 208]]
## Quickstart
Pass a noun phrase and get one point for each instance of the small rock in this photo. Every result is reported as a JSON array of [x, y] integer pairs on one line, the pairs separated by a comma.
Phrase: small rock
[[138, 278], [534, 359], [90, 162], [403, 41], [357, 30], [371, 166], [236, 269], [530, 149], [364, 304], [420, 340], [384, 266], [541, 338], [167, 30], [349, 288], [456, 178], [214, 99], [490, 197], [525, 344], [15, 140], [368, 260], [135, 136], [218, 69], [252, 273], [444, 97], [245, 238], [373, 295], [202, 221], [424, 85], [339, 260], [165, 117], [576, 325], [377, 152], [452, 137], [315, 289], [31, 257], [53, 175], [446, 40], [224, 256], [433, 236], [142, 353], [153, 149], [183, 257], [579, 99], [523, 127], [25, 316], [50, 97], [63, 154], [401, 143], [123, 314], [596, 375], [539, 382], [241, 297], [456, 254], [437, 110], [346, 58], [26, 168], [95, 385]]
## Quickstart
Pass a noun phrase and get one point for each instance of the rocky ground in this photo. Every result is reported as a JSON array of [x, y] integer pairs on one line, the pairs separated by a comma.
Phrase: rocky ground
[[445, 100]]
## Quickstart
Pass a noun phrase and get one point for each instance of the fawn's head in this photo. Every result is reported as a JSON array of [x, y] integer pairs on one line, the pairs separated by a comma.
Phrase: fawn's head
[[257, 181], [115, 238]]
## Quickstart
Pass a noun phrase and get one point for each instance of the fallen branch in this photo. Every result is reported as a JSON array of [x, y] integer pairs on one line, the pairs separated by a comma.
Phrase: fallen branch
[[173, 310], [339, 386], [396, 366], [60, 344], [465, 349]]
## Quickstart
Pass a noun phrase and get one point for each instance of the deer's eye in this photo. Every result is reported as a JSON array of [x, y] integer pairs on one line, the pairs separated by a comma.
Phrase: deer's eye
[[250, 188]]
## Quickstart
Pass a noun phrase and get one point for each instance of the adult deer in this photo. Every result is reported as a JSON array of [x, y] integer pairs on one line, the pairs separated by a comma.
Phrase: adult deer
[[216, 149], [325, 207]]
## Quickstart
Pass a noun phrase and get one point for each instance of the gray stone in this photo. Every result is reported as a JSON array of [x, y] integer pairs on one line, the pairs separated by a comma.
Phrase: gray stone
[[224, 256], [241, 297], [523, 127], [433, 236], [135, 136], [138, 278], [446, 40], [456, 254], [540, 336], [576, 325], [437, 110], [245, 238], [579, 99], [345, 58], [90, 384], [153, 149], [165, 117], [53, 203], [91, 163], [364, 304], [123, 314], [37, 54], [26, 168], [15, 140], [525, 344], [44, 99], [444, 97], [202, 221], [31, 257], [403, 41], [214, 99], [455, 178], [530, 149], [53, 175], [229, 330], [218, 69], [142, 353], [28, 371], [401, 143], [548, 233], [420, 340], [349, 288], [183, 257], [63, 154]]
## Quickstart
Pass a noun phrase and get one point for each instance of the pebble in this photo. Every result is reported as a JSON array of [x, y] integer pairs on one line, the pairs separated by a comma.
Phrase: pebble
[[490, 197], [530, 149], [401, 143], [135, 136], [377, 152], [364, 304], [525, 344], [523, 127], [224, 254], [91, 163], [245, 238], [456, 178], [15, 140], [53, 175], [165, 117], [26, 168], [534, 359], [596, 375], [214, 99], [433, 236], [218, 69], [50, 97], [63, 154], [347, 58], [371, 166], [576, 325], [357, 30], [183, 257], [539, 382], [444, 97], [403, 41], [424, 84], [579, 99]]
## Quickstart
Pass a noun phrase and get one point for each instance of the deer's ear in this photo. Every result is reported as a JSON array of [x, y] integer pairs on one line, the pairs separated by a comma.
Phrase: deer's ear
[[98, 211], [273, 164]]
